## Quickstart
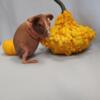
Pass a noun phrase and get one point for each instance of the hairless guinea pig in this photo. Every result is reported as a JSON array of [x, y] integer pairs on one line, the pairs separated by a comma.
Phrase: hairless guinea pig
[[29, 34]]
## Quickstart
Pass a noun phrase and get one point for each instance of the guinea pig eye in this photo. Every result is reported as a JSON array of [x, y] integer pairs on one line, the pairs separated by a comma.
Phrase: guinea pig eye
[[40, 25]]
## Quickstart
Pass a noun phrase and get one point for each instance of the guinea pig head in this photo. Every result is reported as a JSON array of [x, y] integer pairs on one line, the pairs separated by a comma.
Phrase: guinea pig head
[[41, 24]]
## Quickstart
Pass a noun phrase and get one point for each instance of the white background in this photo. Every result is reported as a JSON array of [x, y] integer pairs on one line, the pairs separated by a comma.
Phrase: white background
[[75, 77]]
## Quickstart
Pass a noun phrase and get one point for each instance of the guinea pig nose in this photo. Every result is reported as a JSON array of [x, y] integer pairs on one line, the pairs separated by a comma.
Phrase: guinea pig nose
[[48, 31]]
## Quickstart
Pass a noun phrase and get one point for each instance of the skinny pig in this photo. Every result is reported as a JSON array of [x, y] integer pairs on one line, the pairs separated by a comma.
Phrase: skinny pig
[[29, 34]]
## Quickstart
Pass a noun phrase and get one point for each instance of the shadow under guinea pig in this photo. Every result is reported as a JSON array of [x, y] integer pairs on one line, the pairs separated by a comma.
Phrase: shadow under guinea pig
[[44, 53]]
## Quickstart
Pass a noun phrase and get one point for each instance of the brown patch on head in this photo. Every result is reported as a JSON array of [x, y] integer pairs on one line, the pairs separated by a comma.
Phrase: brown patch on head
[[41, 24]]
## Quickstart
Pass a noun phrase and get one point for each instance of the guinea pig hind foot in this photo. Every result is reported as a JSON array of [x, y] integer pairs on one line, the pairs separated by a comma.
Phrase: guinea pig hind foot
[[29, 61], [26, 60]]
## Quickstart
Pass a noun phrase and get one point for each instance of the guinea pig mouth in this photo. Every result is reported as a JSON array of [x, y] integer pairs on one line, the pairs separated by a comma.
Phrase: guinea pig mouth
[[47, 34]]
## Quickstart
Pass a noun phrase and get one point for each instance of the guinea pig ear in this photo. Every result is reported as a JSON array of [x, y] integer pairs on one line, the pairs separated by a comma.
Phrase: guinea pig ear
[[30, 19], [36, 20], [50, 16]]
